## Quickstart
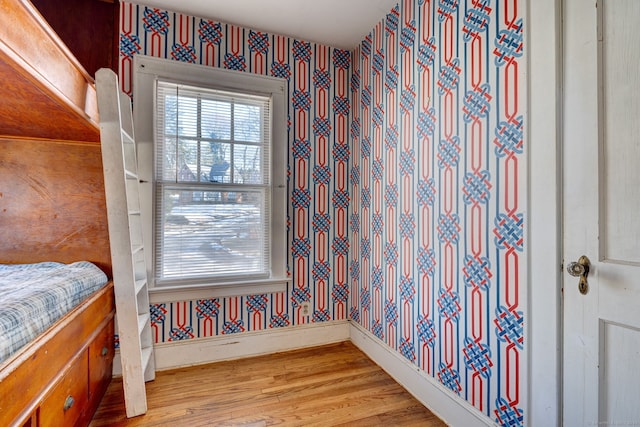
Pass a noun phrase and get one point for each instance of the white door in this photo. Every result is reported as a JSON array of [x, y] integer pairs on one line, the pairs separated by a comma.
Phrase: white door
[[601, 172]]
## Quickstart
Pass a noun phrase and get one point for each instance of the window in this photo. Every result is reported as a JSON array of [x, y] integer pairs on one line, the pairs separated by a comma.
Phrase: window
[[215, 156]]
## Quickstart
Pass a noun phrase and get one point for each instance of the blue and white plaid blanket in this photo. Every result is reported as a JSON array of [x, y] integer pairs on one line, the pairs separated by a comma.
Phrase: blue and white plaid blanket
[[34, 296]]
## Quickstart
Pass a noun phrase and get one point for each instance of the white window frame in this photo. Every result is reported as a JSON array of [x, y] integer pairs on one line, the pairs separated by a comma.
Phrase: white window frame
[[147, 72]]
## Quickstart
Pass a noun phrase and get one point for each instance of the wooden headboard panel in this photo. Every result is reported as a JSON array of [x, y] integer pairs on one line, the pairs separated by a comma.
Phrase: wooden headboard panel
[[52, 205]]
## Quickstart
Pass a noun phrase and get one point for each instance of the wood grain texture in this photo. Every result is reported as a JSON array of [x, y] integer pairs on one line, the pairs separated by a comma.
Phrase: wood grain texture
[[324, 386], [27, 378], [88, 28], [52, 203], [46, 92], [52, 208]]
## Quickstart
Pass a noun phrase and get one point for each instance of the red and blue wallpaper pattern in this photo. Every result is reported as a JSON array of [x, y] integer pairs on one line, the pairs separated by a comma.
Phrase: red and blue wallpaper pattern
[[437, 187], [407, 186], [318, 120]]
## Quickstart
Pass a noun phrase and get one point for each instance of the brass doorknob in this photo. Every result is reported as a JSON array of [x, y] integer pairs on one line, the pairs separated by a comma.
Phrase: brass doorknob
[[580, 269], [576, 269]]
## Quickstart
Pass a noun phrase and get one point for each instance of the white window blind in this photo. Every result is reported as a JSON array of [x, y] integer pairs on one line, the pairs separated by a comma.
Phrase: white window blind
[[212, 185]]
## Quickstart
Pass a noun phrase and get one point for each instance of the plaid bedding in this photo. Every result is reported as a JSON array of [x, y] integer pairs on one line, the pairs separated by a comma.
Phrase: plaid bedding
[[34, 296]]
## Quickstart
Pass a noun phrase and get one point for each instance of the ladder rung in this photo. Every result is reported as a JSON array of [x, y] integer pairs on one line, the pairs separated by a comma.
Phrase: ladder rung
[[146, 357], [140, 284], [142, 321], [126, 137], [130, 175]]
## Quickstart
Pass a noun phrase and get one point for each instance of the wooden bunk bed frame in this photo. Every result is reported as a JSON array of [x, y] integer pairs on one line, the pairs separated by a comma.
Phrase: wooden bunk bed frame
[[52, 208]]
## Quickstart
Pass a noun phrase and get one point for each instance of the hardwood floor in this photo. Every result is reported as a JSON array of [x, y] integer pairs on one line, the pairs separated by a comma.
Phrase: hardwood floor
[[322, 386]]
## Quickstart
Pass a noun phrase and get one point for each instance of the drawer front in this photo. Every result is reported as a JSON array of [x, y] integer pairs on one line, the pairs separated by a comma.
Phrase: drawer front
[[66, 403], [101, 352]]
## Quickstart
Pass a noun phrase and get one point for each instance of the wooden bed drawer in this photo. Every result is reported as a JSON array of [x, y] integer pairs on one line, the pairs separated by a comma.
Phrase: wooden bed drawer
[[67, 401], [101, 352]]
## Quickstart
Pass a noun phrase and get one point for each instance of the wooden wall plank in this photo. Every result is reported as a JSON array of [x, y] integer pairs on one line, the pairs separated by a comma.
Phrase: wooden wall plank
[[52, 204]]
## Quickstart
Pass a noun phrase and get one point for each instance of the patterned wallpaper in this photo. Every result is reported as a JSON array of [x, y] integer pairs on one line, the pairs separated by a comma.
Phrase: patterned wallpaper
[[318, 120], [407, 186], [438, 192]]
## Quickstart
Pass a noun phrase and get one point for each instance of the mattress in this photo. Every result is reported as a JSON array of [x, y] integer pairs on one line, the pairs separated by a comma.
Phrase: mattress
[[34, 296]]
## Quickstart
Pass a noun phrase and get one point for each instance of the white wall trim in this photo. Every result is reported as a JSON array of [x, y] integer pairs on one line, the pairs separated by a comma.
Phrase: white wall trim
[[194, 292], [440, 400], [179, 354], [544, 232]]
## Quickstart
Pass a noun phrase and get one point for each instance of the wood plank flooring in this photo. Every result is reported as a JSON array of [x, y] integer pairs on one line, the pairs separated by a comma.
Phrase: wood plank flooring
[[331, 385]]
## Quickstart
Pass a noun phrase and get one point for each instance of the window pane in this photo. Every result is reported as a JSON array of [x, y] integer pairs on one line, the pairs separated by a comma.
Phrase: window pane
[[170, 115], [187, 116], [179, 160], [212, 233], [206, 161], [218, 155], [247, 123], [216, 119], [187, 160], [247, 164], [169, 160]]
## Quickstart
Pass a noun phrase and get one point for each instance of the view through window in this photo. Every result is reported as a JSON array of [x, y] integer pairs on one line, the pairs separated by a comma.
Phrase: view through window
[[213, 188]]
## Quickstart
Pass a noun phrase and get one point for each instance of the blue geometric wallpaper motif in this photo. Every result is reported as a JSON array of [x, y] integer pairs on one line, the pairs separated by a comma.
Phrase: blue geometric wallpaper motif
[[438, 191], [407, 186], [318, 114]]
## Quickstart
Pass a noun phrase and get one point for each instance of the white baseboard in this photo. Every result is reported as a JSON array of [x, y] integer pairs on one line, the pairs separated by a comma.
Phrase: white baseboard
[[179, 354], [441, 401]]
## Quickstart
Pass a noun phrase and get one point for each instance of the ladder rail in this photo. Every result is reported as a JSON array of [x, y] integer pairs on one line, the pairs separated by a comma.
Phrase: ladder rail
[[123, 206]]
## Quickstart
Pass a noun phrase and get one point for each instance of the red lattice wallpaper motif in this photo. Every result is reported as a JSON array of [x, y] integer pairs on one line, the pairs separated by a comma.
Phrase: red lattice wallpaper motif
[[437, 187], [407, 185]]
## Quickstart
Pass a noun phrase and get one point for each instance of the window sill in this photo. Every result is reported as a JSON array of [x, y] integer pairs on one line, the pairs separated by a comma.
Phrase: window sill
[[219, 290]]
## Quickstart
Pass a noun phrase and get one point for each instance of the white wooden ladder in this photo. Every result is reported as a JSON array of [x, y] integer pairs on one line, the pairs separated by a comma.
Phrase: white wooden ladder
[[125, 234]]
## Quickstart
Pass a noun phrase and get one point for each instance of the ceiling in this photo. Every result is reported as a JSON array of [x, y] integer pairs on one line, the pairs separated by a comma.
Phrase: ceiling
[[337, 23]]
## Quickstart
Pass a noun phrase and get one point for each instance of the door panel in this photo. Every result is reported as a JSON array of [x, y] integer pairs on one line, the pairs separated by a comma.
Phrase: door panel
[[601, 154], [620, 83], [619, 388]]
